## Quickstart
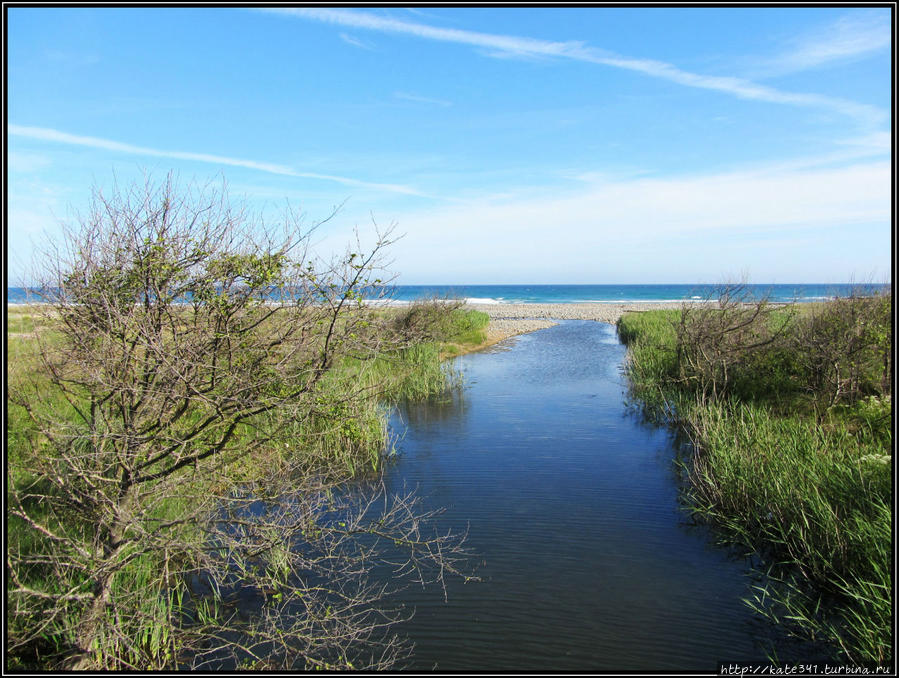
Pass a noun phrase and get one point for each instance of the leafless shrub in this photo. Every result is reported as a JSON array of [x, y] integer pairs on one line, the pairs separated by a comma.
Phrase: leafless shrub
[[845, 348], [720, 336], [154, 524], [428, 318]]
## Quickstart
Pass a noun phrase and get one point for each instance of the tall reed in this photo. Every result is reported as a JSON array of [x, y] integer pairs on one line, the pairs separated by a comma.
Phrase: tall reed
[[807, 489], [343, 435]]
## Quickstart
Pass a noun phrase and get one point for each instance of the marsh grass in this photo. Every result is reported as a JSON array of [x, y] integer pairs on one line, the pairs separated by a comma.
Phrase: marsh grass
[[346, 430], [147, 641], [466, 328], [25, 319], [806, 485], [817, 505], [651, 359], [344, 435]]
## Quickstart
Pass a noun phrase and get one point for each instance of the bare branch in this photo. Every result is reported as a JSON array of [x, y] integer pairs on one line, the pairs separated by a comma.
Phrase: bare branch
[[174, 463]]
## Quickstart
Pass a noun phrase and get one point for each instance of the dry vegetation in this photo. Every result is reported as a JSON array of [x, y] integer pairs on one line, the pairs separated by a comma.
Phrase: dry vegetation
[[189, 412], [789, 410]]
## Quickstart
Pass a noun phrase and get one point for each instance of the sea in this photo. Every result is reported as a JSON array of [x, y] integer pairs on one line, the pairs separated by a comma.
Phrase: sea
[[567, 294]]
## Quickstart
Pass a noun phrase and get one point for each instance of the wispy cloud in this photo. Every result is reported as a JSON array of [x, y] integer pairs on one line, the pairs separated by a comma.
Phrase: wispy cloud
[[881, 142], [422, 100], [848, 151], [45, 134], [616, 227], [504, 43], [26, 162], [850, 37], [355, 42], [745, 89], [517, 46], [56, 136]]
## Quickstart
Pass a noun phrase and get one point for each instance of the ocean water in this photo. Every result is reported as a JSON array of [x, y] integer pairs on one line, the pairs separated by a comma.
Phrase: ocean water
[[564, 294]]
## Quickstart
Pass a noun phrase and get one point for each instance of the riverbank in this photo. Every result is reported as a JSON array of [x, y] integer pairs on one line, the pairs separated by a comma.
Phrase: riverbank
[[572, 506], [338, 432], [509, 320], [789, 416]]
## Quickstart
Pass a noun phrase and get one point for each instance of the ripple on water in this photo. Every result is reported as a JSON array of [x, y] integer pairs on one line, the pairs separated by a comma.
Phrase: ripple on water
[[571, 504]]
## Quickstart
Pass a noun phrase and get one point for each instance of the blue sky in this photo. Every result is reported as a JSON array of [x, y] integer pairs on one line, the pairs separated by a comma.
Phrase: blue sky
[[508, 145]]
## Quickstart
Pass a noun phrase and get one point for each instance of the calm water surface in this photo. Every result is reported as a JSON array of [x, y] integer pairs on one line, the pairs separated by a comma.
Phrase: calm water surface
[[571, 504]]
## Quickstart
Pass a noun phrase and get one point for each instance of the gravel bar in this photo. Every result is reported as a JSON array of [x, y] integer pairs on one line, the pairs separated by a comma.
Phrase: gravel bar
[[508, 320]]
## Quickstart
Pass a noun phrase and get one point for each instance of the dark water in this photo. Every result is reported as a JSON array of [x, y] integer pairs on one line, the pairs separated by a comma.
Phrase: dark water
[[571, 504], [545, 294], [561, 294]]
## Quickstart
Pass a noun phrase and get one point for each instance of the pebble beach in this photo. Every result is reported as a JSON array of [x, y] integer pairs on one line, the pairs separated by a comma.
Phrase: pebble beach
[[509, 320]]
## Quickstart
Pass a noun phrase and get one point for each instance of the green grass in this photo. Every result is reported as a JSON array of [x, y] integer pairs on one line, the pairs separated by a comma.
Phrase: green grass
[[451, 327], [348, 421], [24, 319], [807, 488], [465, 327], [344, 435], [650, 338], [818, 500]]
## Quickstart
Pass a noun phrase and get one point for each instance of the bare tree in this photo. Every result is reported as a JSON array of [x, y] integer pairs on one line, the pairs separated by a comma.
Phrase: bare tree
[[719, 336], [845, 348], [158, 519]]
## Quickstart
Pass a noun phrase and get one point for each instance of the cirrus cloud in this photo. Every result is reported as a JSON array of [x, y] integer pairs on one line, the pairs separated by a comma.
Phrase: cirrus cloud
[[511, 45], [56, 136]]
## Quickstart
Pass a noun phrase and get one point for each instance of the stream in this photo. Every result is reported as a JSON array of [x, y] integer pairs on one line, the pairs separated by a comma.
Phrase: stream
[[587, 561]]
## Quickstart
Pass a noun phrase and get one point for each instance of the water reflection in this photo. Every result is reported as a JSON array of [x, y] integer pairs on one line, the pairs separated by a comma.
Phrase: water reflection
[[572, 503], [438, 409]]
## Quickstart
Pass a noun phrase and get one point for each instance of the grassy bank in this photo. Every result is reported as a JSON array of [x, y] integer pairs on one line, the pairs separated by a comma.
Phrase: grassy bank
[[343, 435], [348, 424], [789, 413]]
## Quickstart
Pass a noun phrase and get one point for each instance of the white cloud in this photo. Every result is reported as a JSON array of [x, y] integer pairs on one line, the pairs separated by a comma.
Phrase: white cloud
[[851, 36], [26, 162], [878, 142], [355, 42], [746, 89], [510, 45], [877, 145], [635, 226], [504, 43], [422, 100], [56, 136]]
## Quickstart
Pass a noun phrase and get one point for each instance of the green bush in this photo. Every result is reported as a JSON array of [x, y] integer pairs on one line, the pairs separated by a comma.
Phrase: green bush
[[161, 401], [790, 414], [466, 327], [818, 500], [843, 350], [442, 320]]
